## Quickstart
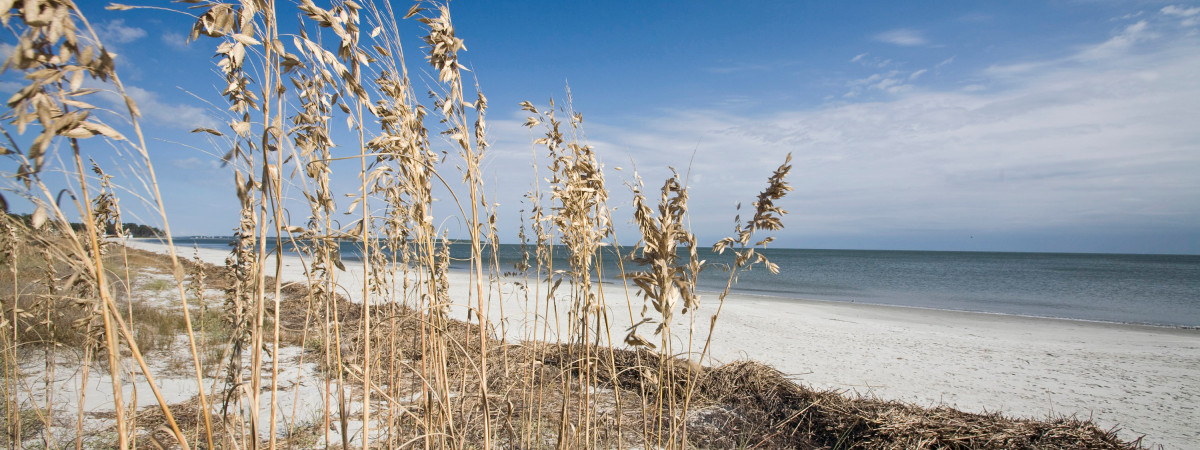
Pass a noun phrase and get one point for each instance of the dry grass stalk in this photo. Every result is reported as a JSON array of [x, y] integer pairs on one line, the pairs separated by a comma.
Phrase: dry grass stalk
[[665, 281], [767, 217], [57, 62], [468, 388], [443, 47]]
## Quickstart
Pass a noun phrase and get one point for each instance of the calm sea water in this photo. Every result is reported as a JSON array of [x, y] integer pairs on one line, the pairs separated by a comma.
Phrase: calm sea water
[[1144, 289]]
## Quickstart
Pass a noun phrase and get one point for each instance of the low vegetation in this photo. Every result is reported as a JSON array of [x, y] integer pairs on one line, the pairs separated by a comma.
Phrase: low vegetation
[[130, 229], [390, 365]]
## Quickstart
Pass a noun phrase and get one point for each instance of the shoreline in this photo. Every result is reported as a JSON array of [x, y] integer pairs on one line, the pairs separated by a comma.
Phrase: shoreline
[[784, 297], [785, 300], [1139, 377]]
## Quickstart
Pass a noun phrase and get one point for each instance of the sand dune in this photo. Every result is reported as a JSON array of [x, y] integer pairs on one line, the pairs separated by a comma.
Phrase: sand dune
[[1140, 378]]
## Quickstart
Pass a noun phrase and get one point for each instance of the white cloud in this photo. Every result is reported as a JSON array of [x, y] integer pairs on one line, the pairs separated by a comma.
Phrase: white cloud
[[1190, 16], [115, 32], [891, 82], [175, 40], [917, 74], [875, 62], [181, 116], [1017, 69], [1116, 47], [196, 163], [1130, 16], [1132, 34], [903, 37], [1072, 144], [1179, 11]]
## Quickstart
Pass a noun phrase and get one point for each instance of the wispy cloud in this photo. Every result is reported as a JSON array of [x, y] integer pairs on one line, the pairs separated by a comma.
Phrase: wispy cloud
[[175, 40], [195, 163], [906, 37], [1131, 35], [874, 62], [177, 115], [1190, 16], [1129, 16], [1074, 145], [891, 82], [1119, 45], [1017, 68], [153, 109], [115, 32]]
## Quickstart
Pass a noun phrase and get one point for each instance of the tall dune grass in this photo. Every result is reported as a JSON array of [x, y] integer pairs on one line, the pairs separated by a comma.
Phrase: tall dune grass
[[395, 370]]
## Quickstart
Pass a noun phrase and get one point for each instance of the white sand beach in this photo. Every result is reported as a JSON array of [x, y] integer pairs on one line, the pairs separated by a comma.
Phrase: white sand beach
[[1143, 379]]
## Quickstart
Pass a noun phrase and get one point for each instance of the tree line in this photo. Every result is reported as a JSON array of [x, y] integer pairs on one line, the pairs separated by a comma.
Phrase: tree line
[[131, 228]]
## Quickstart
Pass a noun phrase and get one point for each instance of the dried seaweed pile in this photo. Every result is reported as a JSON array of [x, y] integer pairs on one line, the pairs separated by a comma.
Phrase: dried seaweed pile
[[750, 404], [773, 411], [744, 404]]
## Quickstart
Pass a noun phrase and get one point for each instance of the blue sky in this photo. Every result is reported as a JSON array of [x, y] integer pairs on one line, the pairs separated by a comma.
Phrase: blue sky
[[996, 126]]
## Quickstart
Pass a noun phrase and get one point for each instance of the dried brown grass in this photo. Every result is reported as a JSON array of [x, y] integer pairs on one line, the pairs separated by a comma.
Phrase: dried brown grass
[[738, 405], [562, 388], [741, 404]]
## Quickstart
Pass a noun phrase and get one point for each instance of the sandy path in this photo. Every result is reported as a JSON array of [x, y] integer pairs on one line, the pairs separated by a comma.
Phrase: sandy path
[[1143, 378]]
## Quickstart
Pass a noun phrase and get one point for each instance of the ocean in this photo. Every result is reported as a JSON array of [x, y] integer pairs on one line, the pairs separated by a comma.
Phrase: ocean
[[1159, 290]]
